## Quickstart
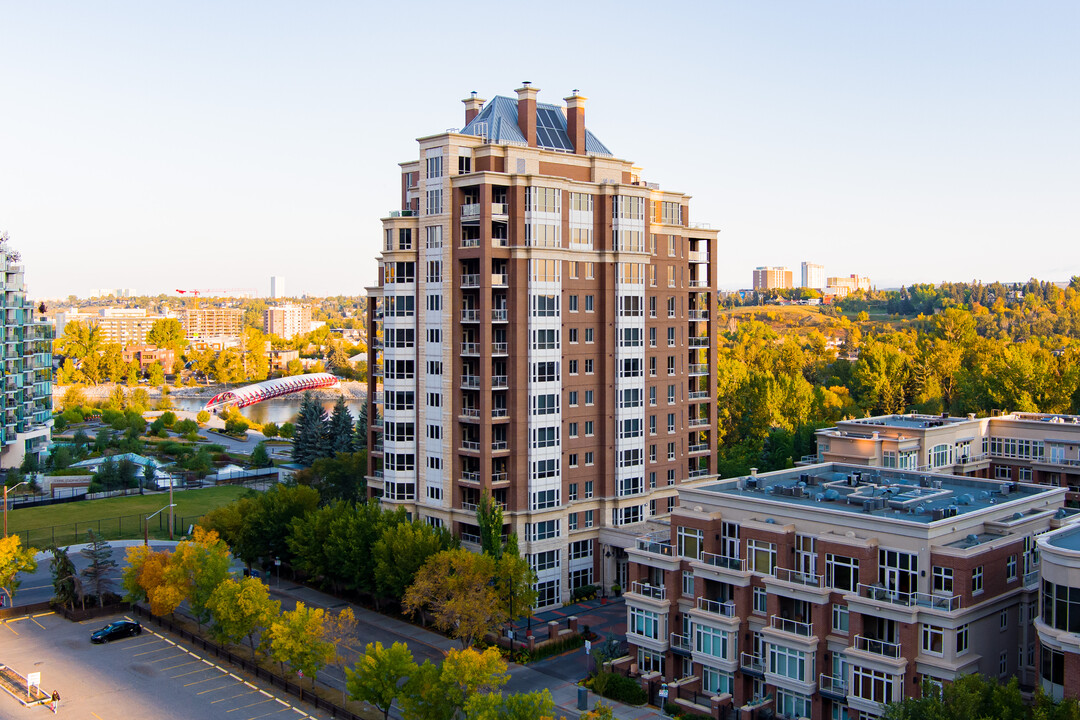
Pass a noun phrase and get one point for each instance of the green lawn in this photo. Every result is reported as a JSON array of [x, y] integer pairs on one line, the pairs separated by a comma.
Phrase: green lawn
[[115, 518]]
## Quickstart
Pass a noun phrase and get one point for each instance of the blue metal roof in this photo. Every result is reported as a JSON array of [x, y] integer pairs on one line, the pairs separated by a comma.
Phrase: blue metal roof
[[499, 121]]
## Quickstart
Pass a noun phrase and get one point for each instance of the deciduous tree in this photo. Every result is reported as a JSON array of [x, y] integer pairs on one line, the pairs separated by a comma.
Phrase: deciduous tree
[[297, 637], [378, 674], [402, 550], [456, 587], [240, 609], [14, 559]]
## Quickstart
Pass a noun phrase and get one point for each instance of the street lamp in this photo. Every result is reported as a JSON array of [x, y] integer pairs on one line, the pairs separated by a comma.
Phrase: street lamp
[[6, 488], [146, 527]]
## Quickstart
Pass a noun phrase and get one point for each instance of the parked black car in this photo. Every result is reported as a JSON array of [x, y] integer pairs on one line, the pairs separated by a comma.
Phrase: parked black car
[[116, 630]]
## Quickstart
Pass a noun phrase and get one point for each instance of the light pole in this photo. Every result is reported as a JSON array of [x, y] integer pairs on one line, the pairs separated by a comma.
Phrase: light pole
[[146, 526], [6, 488]]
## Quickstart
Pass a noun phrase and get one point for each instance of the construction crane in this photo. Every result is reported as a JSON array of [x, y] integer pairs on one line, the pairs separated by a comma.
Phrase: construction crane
[[204, 291]]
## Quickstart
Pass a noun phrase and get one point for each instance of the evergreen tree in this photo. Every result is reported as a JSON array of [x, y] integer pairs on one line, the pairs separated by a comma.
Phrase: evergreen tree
[[98, 574], [260, 458], [340, 428], [66, 584], [360, 434], [308, 438], [489, 518]]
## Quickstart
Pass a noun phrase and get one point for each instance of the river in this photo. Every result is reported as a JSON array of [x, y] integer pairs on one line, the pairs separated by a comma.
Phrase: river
[[277, 411]]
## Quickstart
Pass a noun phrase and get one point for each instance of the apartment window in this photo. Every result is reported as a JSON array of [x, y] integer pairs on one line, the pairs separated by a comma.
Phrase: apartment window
[[572, 367], [961, 639], [689, 542], [671, 422], [571, 460], [1003, 620], [572, 521], [590, 303], [434, 166], [787, 662], [571, 491], [546, 404], [588, 518], [571, 269], [572, 429], [671, 477], [434, 432], [588, 460], [545, 339], [652, 453], [542, 530], [688, 583], [841, 573], [546, 371], [977, 580], [933, 640], [590, 335], [434, 202], [652, 424], [652, 367], [761, 556], [652, 480], [888, 459], [873, 685], [434, 399], [761, 600], [644, 623], [652, 395], [571, 303], [1003, 663], [434, 335], [671, 305], [589, 367], [1024, 474], [670, 504], [671, 451], [434, 302], [434, 237], [547, 593], [1010, 568], [573, 398], [589, 397], [572, 335], [670, 394], [671, 371], [710, 641], [716, 681], [589, 428], [545, 469], [548, 560], [840, 618], [943, 580], [652, 306], [652, 337], [671, 337], [588, 483]]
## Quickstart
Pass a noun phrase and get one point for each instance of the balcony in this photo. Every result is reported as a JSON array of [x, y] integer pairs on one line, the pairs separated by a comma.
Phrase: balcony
[[715, 607], [698, 422], [698, 283], [498, 315], [499, 382], [753, 664], [1031, 580], [497, 413], [698, 369], [470, 242], [698, 314], [499, 348], [471, 413], [797, 577], [469, 476], [471, 382], [471, 211], [722, 561], [499, 446], [499, 477], [681, 643], [656, 547], [795, 627], [698, 342], [500, 210], [655, 592], [470, 446], [471, 280], [698, 448], [500, 280], [832, 686], [470, 315], [880, 593], [877, 647], [470, 538], [700, 472], [470, 348], [698, 256], [698, 395]]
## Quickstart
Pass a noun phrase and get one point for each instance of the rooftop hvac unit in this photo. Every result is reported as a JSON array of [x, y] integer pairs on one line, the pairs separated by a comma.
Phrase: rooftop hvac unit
[[868, 505], [938, 513], [797, 492], [937, 484], [804, 477], [852, 481], [751, 483]]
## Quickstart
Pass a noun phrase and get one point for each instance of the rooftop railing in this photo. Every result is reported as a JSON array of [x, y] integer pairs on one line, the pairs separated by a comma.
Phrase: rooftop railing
[[798, 577], [912, 599]]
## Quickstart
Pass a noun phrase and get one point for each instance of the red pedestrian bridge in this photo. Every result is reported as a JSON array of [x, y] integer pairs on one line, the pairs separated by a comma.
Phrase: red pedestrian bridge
[[270, 389]]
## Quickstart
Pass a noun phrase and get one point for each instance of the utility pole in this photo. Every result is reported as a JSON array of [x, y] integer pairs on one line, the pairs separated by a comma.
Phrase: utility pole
[[6, 488]]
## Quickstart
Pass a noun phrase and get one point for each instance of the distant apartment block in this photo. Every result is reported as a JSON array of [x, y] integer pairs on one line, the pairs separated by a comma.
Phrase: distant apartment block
[[843, 286], [772, 278], [830, 590], [1041, 448], [542, 331], [203, 324], [125, 326], [287, 321], [813, 276], [26, 390], [114, 292], [147, 355], [277, 287]]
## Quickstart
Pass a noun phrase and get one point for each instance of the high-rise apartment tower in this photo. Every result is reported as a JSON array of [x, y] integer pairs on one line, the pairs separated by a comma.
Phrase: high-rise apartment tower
[[772, 278], [813, 276], [542, 331]]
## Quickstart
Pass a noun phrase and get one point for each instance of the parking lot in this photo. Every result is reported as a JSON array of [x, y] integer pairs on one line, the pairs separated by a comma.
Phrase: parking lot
[[149, 675]]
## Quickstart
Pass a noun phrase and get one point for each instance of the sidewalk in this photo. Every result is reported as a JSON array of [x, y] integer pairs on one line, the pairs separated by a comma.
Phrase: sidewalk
[[555, 674]]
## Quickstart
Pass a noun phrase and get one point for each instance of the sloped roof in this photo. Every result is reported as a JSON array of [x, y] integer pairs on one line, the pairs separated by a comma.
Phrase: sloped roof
[[498, 120]]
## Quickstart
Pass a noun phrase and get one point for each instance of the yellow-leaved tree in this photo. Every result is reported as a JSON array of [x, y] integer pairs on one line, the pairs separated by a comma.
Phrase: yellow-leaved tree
[[456, 588], [240, 609], [298, 637]]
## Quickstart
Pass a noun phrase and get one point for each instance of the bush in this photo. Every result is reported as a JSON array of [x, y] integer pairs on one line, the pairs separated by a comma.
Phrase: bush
[[203, 417], [236, 426], [620, 688], [583, 592], [287, 430], [168, 418], [185, 427], [270, 430]]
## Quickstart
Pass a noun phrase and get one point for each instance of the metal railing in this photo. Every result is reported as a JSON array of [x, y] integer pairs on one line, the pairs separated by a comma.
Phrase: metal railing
[[470, 210], [716, 607], [470, 412], [703, 447], [832, 684], [749, 661], [470, 381], [699, 472], [798, 577], [795, 627], [500, 279], [470, 348], [656, 547], [877, 647], [470, 315], [722, 561], [1031, 579], [698, 422], [499, 348], [498, 445], [471, 280], [470, 476], [470, 445], [499, 412], [914, 599], [499, 382], [470, 242], [698, 314], [698, 342], [698, 395], [500, 208], [698, 369], [498, 315], [656, 592]]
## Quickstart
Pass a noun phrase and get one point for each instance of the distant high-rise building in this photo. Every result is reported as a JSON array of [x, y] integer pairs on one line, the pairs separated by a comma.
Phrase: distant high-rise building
[[841, 286], [287, 320], [542, 332], [126, 326], [212, 323], [26, 393], [813, 276], [772, 278], [277, 287]]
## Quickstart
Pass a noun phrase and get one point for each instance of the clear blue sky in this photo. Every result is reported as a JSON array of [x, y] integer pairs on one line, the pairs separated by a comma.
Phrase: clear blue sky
[[212, 144]]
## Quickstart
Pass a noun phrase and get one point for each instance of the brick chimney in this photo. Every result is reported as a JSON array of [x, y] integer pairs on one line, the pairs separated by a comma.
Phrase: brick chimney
[[473, 106], [527, 112], [575, 121]]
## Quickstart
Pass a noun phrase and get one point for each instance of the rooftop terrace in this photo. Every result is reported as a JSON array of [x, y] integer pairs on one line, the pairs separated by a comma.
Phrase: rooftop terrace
[[908, 421], [1067, 539], [888, 494]]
